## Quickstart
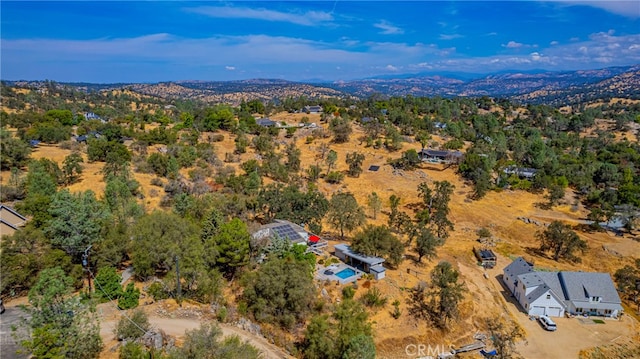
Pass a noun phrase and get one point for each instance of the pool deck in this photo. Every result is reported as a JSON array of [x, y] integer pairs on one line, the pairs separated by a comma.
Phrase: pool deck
[[335, 268]]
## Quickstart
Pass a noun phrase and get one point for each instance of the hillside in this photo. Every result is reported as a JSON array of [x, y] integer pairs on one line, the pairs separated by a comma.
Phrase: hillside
[[181, 164], [551, 88]]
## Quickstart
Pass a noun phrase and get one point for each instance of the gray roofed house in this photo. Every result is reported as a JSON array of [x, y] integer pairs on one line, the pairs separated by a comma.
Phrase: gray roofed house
[[312, 109], [524, 172], [431, 155], [265, 122], [554, 293], [368, 264], [590, 291]]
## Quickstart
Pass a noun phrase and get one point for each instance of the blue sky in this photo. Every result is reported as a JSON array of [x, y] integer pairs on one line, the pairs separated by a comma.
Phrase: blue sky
[[109, 41]]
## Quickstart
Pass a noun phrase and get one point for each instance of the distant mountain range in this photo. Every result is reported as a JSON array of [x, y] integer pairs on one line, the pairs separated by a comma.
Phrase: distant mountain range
[[553, 88]]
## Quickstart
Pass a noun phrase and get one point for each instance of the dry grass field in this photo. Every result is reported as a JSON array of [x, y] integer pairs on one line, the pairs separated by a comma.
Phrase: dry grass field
[[498, 211]]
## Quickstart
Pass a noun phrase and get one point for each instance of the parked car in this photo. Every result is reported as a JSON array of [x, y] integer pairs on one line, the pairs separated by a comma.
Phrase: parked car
[[1, 307], [547, 323]]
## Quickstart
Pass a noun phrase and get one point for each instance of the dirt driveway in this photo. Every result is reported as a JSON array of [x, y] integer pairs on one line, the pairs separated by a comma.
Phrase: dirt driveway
[[572, 336], [177, 327]]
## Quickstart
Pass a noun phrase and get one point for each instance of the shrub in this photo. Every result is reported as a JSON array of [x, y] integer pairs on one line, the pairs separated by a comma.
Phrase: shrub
[[348, 292], [132, 327], [334, 177], [216, 137], [157, 291], [129, 298], [374, 298], [157, 181], [484, 233], [108, 283], [396, 309], [133, 350], [222, 314]]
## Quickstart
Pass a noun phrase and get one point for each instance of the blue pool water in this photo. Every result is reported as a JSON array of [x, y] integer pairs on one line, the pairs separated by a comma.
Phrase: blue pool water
[[346, 273]]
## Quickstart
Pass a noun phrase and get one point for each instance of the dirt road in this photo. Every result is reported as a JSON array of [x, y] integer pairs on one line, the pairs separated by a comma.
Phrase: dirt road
[[178, 326]]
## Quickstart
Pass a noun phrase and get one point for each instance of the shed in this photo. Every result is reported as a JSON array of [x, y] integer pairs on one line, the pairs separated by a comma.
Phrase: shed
[[486, 257]]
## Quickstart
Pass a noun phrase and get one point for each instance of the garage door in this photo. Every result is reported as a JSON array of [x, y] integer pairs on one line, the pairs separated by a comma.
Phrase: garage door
[[554, 311], [536, 311]]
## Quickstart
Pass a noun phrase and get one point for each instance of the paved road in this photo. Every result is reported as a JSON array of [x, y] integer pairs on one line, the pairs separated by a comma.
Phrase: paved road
[[8, 346]]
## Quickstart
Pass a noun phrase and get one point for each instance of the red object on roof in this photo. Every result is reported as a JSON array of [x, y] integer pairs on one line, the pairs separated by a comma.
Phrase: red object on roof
[[313, 238]]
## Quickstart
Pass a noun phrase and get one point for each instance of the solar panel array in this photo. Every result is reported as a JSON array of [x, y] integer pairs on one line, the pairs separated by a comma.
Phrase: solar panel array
[[374, 168], [285, 231]]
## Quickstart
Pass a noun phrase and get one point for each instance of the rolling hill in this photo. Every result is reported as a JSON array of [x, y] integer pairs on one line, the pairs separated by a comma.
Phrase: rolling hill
[[552, 88]]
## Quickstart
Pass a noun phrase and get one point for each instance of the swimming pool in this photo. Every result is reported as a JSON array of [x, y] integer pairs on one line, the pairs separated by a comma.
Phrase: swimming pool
[[346, 273]]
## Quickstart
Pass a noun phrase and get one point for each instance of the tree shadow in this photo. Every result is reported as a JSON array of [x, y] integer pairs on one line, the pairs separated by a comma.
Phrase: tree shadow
[[544, 205]]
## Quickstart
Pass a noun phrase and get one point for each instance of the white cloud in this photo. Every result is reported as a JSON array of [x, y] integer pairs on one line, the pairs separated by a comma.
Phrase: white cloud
[[309, 18], [450, 36], [269, 56], [388, 28], [554, 43], [512, 45]]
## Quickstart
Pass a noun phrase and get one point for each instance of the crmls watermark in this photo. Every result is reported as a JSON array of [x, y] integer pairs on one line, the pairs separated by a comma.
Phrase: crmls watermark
[[428, 351]]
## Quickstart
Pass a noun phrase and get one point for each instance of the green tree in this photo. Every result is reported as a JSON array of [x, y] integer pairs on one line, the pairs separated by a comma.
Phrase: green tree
[[72, 168], [375, 204], [21, 256], [319, 340], [354, 161], [341, 129], [504, 336], [281, 292], [60, 326], [332, 158], [230, 246], [439, 302], [556, 193], [293, 157], [436, 202], [76, 220], [346, 334], [378, 241], [130, 297], [313, 172], [279, 201], [628, 279], [154, 242], [561, 241], [132, 325], [15, 153], [207, 342], [345, 213], [108, 282], [64, 116], [426, 243]]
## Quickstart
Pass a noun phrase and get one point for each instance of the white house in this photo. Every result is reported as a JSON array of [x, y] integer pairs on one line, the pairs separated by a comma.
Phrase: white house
[[554, 293]]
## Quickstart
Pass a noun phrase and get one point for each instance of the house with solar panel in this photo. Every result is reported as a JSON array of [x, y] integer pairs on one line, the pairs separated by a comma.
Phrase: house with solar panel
[[438, 156], [556, 293], [296, 234]]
